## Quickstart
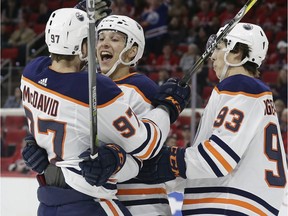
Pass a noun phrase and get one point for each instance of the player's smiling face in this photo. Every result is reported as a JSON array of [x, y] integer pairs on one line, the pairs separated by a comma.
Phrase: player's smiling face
[[108, 48]]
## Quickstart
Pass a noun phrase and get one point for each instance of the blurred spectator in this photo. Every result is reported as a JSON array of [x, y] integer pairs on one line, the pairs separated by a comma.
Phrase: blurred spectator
[[201, 37], [280, 90], [171, 140], [206, 13], [279, 58], [168, 59], [19, 38], [189, 58], [154, 20], [4, 34], [178, 8], [186, 137], [122, 7], [44, 13], [164, 75], [14, 101], [279, 106], [194, 26], [22, 35], [228, 13], [177, 31], [11, 12], [214, 25]]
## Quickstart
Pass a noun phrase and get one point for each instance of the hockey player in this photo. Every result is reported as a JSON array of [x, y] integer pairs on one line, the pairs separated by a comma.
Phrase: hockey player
[[120, 45], [55, 99], [237, 164]]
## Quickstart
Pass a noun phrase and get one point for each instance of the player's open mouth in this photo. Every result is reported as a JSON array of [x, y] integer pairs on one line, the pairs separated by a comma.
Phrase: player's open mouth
[[105, 56]]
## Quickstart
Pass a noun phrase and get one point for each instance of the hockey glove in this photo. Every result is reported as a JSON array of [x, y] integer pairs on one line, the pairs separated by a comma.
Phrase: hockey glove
[[109, 161], [166, 166], [34, 156], [102, 9], [173, 96]]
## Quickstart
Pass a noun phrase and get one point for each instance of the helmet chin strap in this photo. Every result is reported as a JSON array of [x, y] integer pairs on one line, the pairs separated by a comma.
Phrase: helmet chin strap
[[112, 70], [227, 64]]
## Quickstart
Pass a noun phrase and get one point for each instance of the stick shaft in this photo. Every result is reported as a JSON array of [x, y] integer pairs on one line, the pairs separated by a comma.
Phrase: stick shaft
[[92, 76], [208, 51]]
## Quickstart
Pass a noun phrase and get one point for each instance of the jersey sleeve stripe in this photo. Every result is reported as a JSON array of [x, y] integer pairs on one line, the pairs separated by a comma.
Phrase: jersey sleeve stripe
[[111, 207], [242, 93], [141, 191], [210, 162], [152, 146], [234, 191], [139, 149], [225, 201], [111, 101], [218, 156], [55, 93], [225, 147]]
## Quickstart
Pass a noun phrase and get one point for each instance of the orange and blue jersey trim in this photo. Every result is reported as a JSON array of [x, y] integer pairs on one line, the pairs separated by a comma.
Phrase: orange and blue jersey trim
[[244, 85], [236, 202], [143, 85], [152, 141], [217, 155]]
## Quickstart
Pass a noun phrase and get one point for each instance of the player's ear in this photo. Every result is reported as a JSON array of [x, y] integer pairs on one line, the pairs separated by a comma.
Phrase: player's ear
[[132, 52], [84, 48]]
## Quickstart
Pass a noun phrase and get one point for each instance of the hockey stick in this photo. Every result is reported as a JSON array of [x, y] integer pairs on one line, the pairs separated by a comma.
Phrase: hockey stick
[[90, 5], [208, 51]]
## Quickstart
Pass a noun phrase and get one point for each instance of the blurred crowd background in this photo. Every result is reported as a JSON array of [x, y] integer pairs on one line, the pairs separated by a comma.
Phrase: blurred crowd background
[[176, 33]]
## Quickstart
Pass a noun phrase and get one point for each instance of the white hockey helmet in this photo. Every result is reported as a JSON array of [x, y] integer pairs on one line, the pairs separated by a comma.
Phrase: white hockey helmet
[[251, 35], [65, 31], [133, 31]]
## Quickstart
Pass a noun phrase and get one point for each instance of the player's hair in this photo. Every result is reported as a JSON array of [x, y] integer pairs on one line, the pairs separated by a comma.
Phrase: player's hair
[[251, 67], [58, 57], [252, 41]]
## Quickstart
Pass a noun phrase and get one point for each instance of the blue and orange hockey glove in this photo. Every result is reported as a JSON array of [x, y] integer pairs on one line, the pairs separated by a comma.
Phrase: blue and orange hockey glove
[[168, 164], [173, 96], [109, 161]]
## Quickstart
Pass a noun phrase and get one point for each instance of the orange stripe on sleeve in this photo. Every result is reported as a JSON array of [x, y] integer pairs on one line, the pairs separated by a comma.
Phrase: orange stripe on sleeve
[[112, 208], [153, 143], [225, 201], [219, 157]]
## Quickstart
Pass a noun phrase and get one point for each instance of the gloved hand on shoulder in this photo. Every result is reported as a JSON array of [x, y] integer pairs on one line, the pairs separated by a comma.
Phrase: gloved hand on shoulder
[[173, 96], [108, 161], [34, 156]]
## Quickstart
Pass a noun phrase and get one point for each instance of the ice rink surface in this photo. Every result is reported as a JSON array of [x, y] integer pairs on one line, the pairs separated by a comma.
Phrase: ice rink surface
[[18, 198]]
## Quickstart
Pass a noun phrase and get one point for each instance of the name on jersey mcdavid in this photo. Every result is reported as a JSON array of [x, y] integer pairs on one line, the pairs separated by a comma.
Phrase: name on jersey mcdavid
[[40, 101]]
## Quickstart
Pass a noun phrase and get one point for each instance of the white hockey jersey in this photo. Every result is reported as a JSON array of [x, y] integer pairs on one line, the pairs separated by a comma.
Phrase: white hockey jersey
[[141, 199], [237, 163], [57, 109]]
